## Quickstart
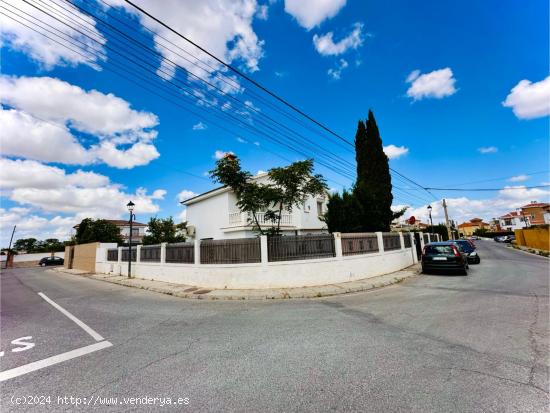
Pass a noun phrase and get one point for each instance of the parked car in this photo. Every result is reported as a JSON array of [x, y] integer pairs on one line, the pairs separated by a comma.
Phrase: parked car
[[444, 256], [51, 261], [466, 247], [509, 238]]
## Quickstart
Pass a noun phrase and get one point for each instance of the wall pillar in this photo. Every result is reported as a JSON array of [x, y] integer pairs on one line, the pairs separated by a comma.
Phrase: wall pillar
[[413, 248], [138, 253], [162, 252], [338, 244], [380, 237], [263, 250], [421, 240], [197, 251], [402, 240]]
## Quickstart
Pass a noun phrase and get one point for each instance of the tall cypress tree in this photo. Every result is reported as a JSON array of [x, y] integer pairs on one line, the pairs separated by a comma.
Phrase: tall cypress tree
[[372, 190]]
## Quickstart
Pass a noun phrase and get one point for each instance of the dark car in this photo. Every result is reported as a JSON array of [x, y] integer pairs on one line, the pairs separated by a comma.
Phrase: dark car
[[444, 256], [51, 261], [509, 238], [465, 247]]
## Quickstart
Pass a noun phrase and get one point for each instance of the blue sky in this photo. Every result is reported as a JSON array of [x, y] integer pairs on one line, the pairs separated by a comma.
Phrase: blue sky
[[461, 90]]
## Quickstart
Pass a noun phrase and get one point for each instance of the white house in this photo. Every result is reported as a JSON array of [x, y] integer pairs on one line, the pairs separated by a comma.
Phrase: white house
[[512, 220], [215, 215], [138, 229]]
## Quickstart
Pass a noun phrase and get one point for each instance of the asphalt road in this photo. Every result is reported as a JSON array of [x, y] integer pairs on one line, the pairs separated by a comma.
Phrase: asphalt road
[[430, 344]]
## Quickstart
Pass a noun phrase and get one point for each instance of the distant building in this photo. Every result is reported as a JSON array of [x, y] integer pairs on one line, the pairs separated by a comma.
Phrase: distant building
[[534, 213], [467, 229], [512, 221], [138, 230]]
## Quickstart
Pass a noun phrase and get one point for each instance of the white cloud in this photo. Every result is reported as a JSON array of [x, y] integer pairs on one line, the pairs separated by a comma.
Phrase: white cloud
[[437, 84], [336, 72], [530, 100], [518, 178], [326, 46], [311, 13], [186, 194], [49, 110], [241, 140], [220, 154], [224, 27], [488, 149], [394, 152], [199, 126], [44, 51], [263, 12]]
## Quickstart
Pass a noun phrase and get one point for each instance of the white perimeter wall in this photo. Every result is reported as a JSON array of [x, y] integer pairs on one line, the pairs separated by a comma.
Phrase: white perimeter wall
[[285, 274], [33, 257]]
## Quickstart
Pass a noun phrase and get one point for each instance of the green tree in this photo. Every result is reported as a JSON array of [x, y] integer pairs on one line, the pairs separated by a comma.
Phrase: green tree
[[373, 188], [97, 230], [163, 230], [341, 215], [25, 244], [288, 188]]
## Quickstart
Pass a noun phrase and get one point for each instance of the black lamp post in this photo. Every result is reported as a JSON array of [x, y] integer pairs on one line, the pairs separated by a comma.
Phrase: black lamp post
[[130, 205], [431, 222]]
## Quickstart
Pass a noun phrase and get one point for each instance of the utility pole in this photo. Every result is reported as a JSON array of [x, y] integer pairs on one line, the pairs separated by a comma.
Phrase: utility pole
[[9, 248], [449, 233]]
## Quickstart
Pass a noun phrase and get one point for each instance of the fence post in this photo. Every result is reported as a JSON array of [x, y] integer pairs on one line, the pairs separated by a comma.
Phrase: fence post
[[263, 250], [119, 260], [197, 251], [401, 240], [413, 248], [162, 252], [380, 237], [422, 240], [338, 244], [138, 253]]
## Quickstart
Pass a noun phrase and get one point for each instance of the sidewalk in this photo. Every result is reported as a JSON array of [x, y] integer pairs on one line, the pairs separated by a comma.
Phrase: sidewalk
[[187, 291]]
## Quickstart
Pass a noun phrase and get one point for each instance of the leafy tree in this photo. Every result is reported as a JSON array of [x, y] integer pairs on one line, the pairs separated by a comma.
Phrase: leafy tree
[[341, 215], [373, 188], [99, 230], [163, 230], [25, 244], [288, 188]]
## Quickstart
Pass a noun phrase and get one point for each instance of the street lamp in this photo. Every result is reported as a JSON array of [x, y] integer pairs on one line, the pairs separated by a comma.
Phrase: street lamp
[[130, 205], [431, 222]]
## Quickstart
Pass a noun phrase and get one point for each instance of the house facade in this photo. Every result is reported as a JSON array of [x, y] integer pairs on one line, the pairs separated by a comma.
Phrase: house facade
[[467, 229], [512, 221], [215, 215], [534, 213], [138, 230]]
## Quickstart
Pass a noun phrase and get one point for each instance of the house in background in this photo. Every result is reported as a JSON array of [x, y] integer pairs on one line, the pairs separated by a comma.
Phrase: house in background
[[138, 230], [534, 213], [215, 215], [512, 221], [467, 229]]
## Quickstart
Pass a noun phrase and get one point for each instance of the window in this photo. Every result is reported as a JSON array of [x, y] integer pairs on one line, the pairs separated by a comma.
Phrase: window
[[135, 231], [320, 208]]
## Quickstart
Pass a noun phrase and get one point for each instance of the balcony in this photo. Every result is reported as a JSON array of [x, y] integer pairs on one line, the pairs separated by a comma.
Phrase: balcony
[[243, 219]]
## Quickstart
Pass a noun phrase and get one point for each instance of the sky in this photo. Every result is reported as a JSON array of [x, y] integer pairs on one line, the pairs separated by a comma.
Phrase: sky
[[111, 106]]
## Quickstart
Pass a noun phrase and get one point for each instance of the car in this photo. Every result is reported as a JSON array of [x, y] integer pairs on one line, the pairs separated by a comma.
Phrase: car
[[51, 261], [509, 238], [444, 256], [466, 248], [475, 237]]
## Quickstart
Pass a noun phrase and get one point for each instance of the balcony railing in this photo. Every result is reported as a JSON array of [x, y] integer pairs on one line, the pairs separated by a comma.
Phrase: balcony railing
[[237, 219]]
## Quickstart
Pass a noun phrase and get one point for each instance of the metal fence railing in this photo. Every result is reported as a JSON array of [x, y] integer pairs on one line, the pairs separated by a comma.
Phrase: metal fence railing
[[230, 251], [392, 241], [426, 239], [125, 254], [407, 240], [112, 254], [150, 253], [300, 247], [181, 252], [359, 243]]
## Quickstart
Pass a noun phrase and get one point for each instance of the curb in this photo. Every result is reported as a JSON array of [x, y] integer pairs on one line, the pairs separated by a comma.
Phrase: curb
[[197, 293]]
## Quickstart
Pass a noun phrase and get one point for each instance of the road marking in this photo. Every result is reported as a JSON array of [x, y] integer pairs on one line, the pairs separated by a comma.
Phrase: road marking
[[50, 361], [82, 325]]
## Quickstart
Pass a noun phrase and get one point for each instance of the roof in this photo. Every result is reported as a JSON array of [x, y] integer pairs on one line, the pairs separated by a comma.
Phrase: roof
[[513, 214], [537, 205], [205, 195], [120, 223], [476, 222]]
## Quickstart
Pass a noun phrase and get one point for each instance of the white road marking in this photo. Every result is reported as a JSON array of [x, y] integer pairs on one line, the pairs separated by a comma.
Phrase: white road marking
[[87, 329], [50, 361]]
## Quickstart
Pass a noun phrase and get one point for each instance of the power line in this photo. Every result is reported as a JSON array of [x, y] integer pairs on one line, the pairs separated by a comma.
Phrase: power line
[[489, 189]]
